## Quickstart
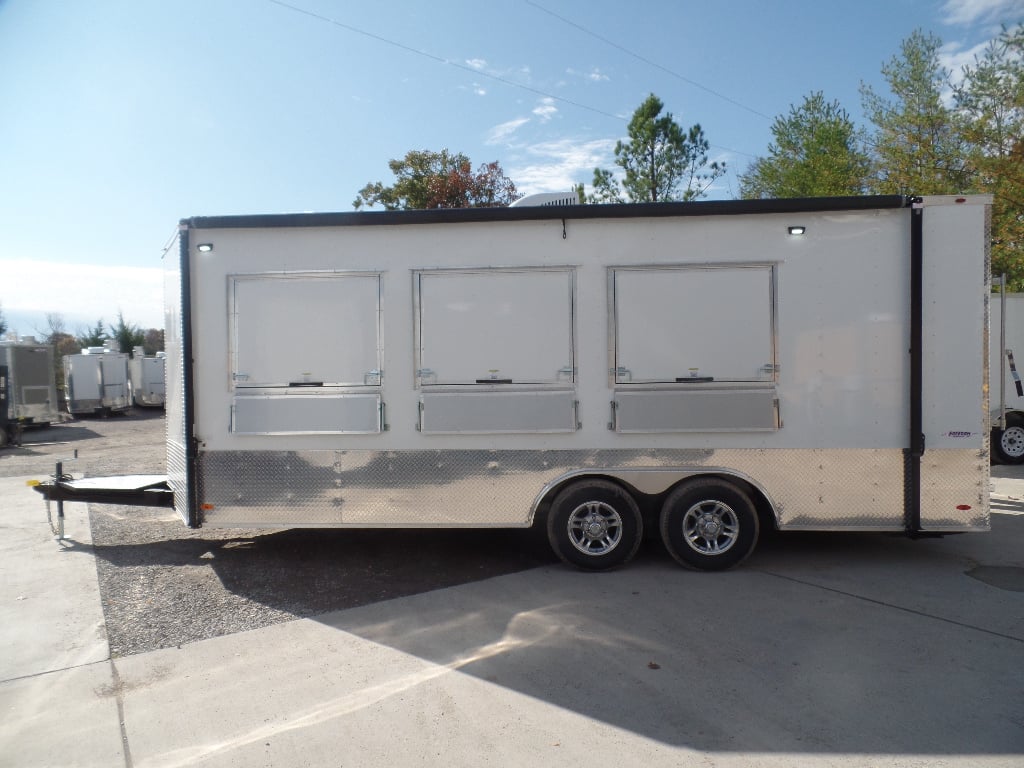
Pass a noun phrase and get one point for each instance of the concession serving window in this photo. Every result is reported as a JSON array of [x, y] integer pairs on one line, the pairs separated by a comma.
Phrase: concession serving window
[[693, 348], [495, 350], [305, 353]]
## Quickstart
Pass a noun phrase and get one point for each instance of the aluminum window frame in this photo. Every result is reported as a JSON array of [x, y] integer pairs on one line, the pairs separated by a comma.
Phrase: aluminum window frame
[[565, 378], [772, 270], [371, 377]]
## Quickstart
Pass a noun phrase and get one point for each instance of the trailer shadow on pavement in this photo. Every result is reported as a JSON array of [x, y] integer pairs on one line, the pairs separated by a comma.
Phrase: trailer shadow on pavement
[[819, 643], [53, 435]]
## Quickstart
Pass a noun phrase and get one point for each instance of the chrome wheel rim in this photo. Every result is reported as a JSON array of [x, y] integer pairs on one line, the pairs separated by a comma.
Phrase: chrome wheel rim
[[1012, 442], [711, 527], [595, 528]]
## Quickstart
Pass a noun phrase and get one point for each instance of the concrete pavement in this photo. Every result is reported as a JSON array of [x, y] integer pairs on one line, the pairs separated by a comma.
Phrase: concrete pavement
[[54, 656], [846, 649]]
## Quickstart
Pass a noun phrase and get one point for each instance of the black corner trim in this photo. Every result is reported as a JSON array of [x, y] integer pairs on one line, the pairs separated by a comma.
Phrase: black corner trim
[[916, 447], [191, 450]]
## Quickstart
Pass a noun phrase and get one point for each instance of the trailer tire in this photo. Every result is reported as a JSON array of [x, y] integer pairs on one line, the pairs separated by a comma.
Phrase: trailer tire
[[1008, 443], [709, 524], [595, 525]]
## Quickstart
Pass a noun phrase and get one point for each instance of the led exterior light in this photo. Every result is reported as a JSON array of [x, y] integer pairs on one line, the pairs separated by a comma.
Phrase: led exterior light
[[792, 231], [205, 247]]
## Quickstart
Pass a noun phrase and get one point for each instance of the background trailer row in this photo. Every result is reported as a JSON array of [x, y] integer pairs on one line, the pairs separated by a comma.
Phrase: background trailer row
[[97, 381]]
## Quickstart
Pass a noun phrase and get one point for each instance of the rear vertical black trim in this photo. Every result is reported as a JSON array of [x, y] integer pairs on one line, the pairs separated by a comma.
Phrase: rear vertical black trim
[[912, 479], [191, 449]]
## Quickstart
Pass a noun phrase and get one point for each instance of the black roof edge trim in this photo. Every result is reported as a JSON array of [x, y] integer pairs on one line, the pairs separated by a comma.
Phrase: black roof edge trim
[[547, 212]]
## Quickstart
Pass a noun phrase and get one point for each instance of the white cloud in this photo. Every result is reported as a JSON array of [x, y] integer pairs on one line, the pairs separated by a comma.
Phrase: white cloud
[[594, 75], [954, 59], [501, 133], [83, 292], [972, 11], [476, 63], [504, 132], [546, 109], [479, 90], [557, 166]]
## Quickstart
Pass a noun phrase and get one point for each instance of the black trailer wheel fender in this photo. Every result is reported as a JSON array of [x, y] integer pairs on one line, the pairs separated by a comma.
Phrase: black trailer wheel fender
[[594, 524], [709, 524]]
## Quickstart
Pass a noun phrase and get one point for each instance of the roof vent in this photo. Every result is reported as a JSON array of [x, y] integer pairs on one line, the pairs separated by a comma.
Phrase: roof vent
[[547, 198]]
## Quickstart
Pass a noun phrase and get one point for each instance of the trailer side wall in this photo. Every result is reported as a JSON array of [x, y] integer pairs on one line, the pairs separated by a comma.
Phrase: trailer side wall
[[463, 367]]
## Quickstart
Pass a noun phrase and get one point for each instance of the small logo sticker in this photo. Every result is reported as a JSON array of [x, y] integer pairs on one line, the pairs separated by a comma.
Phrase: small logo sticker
[[957, 434]]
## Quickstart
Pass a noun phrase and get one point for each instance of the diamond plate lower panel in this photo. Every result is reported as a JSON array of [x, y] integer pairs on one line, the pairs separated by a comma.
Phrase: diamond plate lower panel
[[809, 489], [174, 388], [955, 490], [177, 477]]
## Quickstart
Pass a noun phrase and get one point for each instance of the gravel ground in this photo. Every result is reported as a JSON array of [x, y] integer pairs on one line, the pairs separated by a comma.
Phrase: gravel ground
[[163, 584]]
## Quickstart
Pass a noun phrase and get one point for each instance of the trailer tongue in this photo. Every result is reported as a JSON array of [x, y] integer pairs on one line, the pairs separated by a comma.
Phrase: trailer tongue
[[130, 490]]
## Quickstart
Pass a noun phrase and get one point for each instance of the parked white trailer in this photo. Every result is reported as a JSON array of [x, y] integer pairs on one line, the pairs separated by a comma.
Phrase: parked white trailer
[[706, 368], [97, 381], [31, 384], [1006, 361], [147, 377]]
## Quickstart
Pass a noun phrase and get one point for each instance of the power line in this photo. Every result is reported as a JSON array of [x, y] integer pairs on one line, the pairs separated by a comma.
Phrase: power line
[[478, 72], [645, 60], [442, 60]]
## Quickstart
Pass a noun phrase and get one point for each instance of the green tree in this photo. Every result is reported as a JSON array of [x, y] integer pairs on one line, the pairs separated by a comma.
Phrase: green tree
[[918, 148], [661, 161], [605, 188], [126, 335], [3, 322], [817, 152], [92, 337], [427, 179], [990, 99]]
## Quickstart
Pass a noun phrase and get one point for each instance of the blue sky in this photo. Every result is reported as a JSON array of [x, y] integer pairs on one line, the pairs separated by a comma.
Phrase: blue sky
[[121, 117]]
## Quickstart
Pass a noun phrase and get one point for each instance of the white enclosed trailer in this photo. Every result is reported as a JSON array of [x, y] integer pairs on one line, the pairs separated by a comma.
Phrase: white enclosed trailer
[[1006, 360], [97, 381], [28, 384], [31, 383], [147, 378], [705, 368]]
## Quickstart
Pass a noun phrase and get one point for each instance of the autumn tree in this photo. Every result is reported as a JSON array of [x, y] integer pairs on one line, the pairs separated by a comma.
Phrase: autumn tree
[[63, 343], [661, 161], [917, 147], [817, 151], [426, 179], [990, 100], [154, 341]]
